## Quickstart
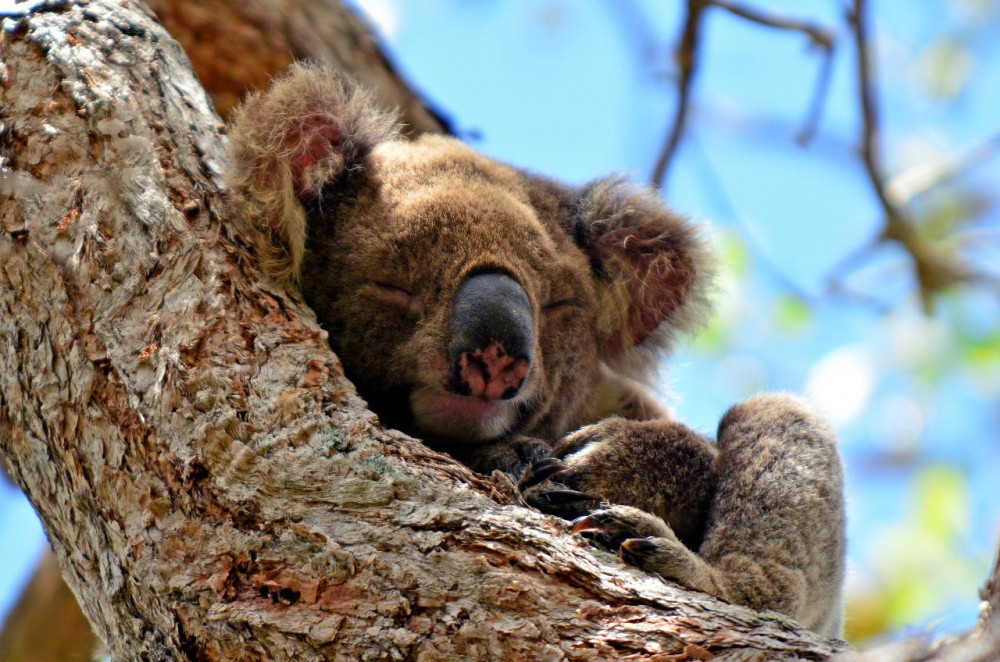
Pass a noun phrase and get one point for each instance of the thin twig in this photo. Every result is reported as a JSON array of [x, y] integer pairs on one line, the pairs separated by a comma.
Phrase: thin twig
[[811, 123], [819, 36], [687, 61], [936, 266], [687, 56], [871, 123]]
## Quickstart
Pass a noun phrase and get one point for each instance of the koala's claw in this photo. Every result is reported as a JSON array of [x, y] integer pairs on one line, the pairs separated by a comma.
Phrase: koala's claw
[[553, 499], [661, 556], [593, 528], [564, 497], [542, 470], [584, 524], [635, 549], [612, 525]]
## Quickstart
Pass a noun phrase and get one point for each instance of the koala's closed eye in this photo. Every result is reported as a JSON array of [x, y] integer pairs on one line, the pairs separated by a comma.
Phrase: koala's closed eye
[[562, 304], [395, 295]]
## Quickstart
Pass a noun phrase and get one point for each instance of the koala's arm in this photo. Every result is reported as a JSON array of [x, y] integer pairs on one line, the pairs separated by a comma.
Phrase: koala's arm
[[660, 467], [759, 521], [776, 530]]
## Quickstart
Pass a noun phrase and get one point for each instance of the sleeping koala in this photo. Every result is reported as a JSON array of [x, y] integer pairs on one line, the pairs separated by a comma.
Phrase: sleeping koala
[[509, 320]]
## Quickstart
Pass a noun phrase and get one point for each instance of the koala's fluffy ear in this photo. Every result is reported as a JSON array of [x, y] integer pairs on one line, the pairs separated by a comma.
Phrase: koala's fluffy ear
[[291, 144], [652, 268]]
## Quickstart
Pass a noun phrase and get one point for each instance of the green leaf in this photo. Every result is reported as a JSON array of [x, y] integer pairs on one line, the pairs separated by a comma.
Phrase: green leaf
[[943, 501], [944, 67], [793, 315], [734, 254]]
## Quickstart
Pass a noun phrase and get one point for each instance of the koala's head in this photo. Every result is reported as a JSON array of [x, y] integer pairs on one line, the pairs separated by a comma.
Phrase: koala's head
[[467, 299]]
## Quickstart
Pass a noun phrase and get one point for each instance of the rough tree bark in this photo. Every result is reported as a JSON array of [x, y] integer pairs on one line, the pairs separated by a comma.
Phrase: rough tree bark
[[235, 46], [211, 484]]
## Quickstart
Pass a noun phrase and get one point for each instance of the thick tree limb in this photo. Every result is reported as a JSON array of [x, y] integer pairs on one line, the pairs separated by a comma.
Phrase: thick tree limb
[[211, 484], [29, 633], [234, 47]]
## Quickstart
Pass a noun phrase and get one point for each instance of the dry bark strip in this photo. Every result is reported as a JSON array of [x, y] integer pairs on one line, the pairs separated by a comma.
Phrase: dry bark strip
[[210, 482]]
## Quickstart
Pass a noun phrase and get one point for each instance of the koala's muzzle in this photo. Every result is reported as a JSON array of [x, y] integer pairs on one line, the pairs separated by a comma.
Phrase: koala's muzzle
[[492, 333]]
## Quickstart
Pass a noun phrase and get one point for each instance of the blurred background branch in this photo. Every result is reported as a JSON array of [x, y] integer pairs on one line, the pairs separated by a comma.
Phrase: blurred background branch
[[687, 56], [938, 265]]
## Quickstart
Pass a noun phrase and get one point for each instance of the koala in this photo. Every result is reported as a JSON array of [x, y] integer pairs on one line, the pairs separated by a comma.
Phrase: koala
[[511, 321]]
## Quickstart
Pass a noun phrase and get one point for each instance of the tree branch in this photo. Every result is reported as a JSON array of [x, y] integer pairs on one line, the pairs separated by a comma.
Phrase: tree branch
[[236, 47], [820, 37], [937, 266], [907, 185], [688, 53]]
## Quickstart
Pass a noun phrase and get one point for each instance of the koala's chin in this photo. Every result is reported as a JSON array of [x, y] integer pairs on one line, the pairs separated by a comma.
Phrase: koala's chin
[[463, 418]]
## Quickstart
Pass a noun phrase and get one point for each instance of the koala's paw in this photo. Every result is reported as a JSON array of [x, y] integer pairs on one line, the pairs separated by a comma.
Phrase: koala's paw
[[670, 559], [546, 485], [613, 525], [594, 459]]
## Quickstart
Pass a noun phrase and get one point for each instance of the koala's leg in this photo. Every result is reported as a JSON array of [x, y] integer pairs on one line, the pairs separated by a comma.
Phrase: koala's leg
[[661, 468], [775, 533]]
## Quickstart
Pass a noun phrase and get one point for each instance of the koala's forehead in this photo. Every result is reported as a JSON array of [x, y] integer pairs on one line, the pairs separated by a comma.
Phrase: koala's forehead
[[438, 182], [435, 160]]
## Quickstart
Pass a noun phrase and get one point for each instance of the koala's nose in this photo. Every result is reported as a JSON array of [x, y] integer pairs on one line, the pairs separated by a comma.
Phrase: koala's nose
[[492, 333]]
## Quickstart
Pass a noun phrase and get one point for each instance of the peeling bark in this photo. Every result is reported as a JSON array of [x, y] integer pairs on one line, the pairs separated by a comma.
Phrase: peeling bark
[[213, 487]]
